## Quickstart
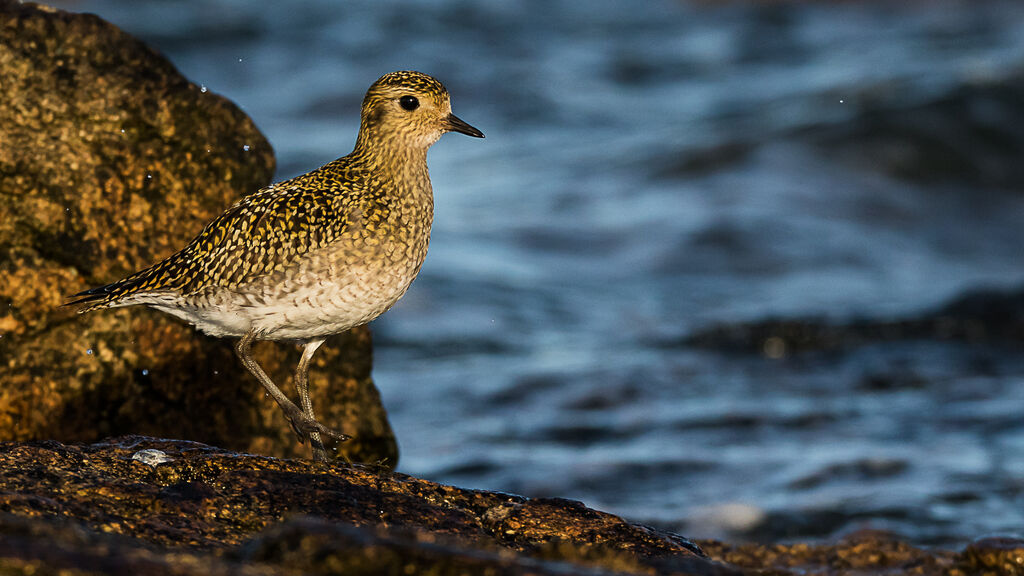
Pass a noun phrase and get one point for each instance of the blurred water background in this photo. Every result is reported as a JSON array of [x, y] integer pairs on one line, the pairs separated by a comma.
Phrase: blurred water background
[[654, 169]]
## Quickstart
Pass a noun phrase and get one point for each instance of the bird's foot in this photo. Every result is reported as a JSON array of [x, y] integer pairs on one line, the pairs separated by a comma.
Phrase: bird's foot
[[304, 426]]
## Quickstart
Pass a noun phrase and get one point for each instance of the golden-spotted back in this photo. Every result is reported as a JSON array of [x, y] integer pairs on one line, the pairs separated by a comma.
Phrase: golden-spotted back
[[321, 252]]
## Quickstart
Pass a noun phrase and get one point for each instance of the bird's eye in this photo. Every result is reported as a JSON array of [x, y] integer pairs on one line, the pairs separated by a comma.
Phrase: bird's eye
[[410, 103]]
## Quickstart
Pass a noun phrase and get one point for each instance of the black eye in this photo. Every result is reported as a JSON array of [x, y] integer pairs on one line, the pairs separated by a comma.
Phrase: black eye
[[410, 103]]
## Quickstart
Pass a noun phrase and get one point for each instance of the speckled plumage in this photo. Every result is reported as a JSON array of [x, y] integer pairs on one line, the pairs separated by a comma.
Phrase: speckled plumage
[[317, 254]]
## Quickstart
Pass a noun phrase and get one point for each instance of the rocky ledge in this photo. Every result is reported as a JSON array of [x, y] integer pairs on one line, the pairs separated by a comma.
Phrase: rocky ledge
[[134, 505]]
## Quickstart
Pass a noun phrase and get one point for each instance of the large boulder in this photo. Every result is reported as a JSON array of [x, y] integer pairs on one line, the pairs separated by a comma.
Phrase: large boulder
[[109, 161]]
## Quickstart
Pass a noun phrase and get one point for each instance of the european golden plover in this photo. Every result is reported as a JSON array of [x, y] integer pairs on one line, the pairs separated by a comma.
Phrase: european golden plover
[[315, 255]]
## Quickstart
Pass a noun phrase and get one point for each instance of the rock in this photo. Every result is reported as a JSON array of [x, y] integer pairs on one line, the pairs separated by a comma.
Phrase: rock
[[152, 457], [969, 135], [977, 317], [93, 509], [111, 160], [867, 552], [212, 510], [994, 555]]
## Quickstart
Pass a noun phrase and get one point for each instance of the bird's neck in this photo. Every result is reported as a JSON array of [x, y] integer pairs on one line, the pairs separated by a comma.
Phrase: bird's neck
[[391, 155], [403, 171], [403, 168]]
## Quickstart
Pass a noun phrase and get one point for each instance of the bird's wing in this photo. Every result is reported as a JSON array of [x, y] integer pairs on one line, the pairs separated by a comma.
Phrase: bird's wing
[[261, 234]]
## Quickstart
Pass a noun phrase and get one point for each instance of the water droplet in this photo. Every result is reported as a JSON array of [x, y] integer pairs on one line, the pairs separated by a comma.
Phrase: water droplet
[[89, 351], [246, 147], [840, 100], [145, 372], [239, 59]]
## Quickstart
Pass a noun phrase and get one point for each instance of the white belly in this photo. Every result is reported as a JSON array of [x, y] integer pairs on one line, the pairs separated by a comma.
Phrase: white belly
[[310, 302], [324, 307]]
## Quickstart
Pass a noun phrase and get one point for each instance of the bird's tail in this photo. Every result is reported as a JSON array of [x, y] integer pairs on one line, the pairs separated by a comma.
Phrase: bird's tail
[[109, 295]]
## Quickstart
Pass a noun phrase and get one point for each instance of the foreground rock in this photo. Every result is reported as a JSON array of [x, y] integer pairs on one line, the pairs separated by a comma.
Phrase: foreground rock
[[109, 161], [207, 510], [101, 509], [875, 553]]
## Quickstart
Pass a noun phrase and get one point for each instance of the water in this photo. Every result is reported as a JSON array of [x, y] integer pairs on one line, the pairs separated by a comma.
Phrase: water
[[651, 169]]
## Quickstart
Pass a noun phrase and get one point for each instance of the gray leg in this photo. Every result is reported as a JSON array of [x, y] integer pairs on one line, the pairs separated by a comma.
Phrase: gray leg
[[302, 383], [303, 425]]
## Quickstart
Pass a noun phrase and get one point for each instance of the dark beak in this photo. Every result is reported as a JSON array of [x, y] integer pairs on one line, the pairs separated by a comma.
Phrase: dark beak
[[456, 125]]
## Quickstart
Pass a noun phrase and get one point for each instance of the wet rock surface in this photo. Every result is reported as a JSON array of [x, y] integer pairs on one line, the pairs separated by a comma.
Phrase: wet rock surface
[[970, 135], [980, 317], [874, 552], [110, 161], [93, 508], [869, 553], [210, 509], [994, 556]]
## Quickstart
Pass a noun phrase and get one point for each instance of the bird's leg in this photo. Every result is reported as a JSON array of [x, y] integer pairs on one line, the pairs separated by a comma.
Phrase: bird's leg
[[302, 424], [302, 384]]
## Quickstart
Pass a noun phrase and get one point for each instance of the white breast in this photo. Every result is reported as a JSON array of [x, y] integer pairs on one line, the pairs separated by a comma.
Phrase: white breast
[[318, 298]]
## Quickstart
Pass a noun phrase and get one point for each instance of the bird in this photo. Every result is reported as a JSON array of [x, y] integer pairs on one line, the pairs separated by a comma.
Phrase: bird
[[314, 255]]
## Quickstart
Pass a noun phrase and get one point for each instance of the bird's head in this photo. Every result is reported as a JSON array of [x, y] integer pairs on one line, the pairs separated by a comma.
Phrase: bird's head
[[409, 109]]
